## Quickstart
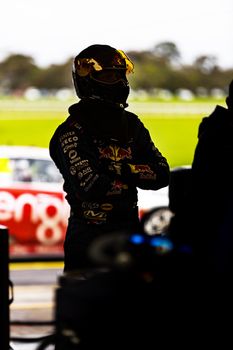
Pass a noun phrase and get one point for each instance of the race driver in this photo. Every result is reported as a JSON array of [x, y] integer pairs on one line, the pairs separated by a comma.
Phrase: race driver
[[103, 153]]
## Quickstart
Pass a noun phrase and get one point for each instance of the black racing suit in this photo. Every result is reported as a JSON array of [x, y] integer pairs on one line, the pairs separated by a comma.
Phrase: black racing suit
[[103, 153]]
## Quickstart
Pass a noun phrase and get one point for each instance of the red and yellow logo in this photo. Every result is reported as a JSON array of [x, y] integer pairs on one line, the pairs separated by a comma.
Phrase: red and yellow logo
[[115, 153]]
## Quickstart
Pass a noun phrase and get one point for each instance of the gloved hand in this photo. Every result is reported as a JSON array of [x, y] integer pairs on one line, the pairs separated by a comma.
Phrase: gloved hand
[[119, 170], [126, 174]]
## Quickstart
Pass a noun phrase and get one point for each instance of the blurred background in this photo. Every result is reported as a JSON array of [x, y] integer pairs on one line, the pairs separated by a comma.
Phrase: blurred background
[[179, 48], [183, 56]]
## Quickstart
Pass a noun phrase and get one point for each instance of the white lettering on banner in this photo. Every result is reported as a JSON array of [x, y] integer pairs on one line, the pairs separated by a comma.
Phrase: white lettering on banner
[[49, 222], [7, 205], [12, 208], [21, 201]]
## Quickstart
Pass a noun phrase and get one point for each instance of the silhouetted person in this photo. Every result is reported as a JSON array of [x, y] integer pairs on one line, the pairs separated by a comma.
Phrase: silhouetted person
[[204, 220], [103, 153], [212, 175], [203, 224]]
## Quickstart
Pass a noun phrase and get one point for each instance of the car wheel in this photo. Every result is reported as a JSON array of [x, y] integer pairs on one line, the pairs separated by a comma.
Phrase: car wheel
[[156, 221]]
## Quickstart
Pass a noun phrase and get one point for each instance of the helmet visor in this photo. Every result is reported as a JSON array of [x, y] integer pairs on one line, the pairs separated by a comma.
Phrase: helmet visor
[[128, 63], [109, 76], [119, 61]]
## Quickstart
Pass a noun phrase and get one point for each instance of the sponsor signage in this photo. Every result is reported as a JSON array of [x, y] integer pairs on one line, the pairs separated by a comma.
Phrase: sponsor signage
[[36, 220]]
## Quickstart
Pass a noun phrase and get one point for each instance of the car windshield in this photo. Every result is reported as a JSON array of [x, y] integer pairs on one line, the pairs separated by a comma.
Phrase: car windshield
[[29, 170]]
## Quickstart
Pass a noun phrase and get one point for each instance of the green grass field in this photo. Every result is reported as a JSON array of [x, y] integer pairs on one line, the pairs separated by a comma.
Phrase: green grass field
[[173, 125]]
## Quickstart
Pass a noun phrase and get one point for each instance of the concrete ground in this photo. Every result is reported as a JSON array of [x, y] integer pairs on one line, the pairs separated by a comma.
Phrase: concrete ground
[[34, 300]]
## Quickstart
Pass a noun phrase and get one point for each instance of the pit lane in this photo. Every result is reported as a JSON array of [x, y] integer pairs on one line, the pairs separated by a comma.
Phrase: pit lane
[[34, 286]]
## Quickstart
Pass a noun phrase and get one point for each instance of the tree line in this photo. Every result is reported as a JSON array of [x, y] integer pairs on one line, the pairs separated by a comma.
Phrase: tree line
[[158, 68]]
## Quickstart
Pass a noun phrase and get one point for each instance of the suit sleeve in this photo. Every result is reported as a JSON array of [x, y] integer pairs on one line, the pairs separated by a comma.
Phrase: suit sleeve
[[79, 165], [148, 169]]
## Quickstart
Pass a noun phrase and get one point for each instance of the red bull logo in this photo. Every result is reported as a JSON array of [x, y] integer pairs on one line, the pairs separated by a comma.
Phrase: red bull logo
[[115, 153], [117, 187]]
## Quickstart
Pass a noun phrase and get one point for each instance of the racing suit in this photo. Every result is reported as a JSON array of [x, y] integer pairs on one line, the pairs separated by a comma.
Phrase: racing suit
[[103, 153]]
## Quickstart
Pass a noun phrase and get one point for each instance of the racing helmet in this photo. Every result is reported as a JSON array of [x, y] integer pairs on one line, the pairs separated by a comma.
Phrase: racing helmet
[[99, 72]]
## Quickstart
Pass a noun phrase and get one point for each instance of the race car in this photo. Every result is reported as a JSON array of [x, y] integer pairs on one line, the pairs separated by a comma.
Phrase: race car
[[33, 205]]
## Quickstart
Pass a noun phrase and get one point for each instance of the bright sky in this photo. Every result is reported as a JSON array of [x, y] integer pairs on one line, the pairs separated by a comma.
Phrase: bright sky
[[51, 31]]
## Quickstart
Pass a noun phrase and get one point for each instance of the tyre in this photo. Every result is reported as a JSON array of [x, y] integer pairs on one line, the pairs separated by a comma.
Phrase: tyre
[[156, 221]]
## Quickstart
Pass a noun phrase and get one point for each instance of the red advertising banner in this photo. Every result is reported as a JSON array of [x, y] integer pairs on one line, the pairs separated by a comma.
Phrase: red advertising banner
[[36, 220]]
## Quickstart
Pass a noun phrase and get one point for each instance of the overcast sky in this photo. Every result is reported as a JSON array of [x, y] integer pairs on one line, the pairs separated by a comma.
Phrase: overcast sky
[[52, 30]]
